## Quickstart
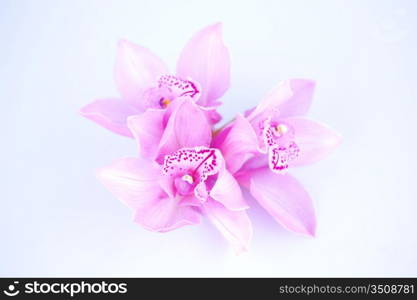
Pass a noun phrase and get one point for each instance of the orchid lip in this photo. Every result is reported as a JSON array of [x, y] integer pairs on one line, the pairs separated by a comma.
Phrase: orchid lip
[[279, 139], [190, 168], [178, 86]]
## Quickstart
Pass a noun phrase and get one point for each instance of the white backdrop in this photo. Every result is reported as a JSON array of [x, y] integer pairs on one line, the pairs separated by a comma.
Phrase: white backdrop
[[56, 219]]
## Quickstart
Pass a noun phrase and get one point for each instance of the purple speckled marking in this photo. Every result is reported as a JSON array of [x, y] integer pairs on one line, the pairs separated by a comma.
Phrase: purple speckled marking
[[199, 161], [281, 147], [178, 86], [280, 156]]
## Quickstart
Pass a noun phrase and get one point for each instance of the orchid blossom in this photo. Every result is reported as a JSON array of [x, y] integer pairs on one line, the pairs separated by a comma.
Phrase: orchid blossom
[[144, 82], [271, 138], [191, 180], [185, 170]]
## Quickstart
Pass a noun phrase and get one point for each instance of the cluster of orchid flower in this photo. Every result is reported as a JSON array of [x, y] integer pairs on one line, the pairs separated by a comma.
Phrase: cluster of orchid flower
[[187, 168]]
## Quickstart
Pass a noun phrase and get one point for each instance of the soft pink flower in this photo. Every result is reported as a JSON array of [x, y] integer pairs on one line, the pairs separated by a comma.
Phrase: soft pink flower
[[144, 82], [271, 138], [187, 179]]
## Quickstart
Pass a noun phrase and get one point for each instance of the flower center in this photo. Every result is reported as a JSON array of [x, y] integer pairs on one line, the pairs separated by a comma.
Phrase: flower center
[[276, 133], [164, 102], [280, 130], [188, 178], [184, 185]]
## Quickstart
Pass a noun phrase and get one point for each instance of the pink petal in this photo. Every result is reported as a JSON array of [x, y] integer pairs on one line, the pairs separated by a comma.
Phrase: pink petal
[[285, 199], [258, 161], [190, 200], [212, 115], [111, 114], [300, 101], [315, 140], [289, 98], [167, 185], [136, 70], [165, 214], [235, 226], [272, 101], [226, 190], [239, 145], [187, 127], [206, 60], [132, 181], [147, 128]]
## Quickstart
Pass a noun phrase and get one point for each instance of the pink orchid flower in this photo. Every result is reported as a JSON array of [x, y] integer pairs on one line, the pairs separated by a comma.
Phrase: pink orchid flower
[[144, 82], [191, 180], [271, 138]]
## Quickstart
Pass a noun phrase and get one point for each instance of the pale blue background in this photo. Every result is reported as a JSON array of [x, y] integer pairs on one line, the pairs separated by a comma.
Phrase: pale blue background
[[56, 56]]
